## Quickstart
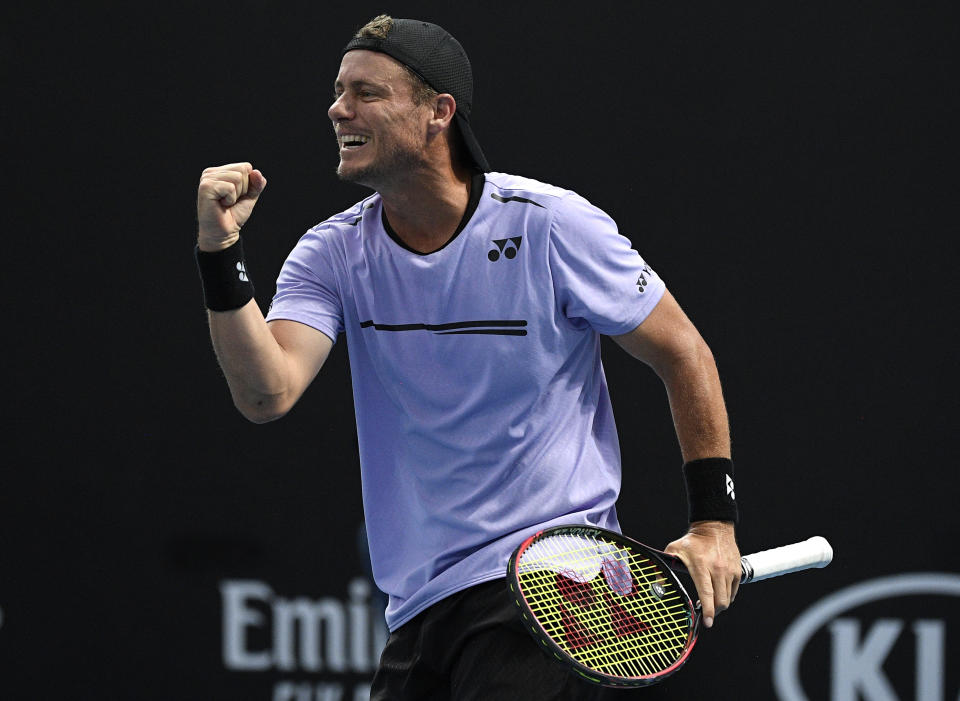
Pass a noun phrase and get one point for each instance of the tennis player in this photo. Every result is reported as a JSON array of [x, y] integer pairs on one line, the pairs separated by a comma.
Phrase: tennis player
[[472, 303]]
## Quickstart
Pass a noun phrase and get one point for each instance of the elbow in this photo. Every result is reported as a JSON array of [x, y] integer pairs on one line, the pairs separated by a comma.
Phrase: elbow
[[262, 410], [261, 417], [691, 356], [699, 355], [703, 353]]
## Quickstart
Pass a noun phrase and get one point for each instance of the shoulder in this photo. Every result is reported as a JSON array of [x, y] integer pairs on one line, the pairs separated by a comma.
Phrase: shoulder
[[550, 198], [345, 222], [516, 188], [324, 246]]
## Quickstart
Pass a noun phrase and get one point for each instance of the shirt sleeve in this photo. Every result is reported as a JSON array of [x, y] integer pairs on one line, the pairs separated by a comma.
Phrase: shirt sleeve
[[307, 289], [599, 279]]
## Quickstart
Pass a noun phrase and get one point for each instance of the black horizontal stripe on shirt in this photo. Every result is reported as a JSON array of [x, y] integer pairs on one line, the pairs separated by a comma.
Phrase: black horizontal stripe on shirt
[[497, 332], [457, 327]]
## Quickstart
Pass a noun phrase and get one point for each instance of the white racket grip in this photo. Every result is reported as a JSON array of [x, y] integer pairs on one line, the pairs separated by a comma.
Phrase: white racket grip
[[813, 552]]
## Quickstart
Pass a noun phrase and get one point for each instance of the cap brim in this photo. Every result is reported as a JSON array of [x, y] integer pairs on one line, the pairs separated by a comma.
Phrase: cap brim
[[473, 146]]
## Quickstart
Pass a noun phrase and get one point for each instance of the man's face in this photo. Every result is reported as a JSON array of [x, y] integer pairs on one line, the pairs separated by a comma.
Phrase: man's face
[[380, 132]]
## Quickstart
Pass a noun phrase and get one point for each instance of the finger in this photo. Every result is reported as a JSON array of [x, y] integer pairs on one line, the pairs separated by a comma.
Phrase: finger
[[237, 173], [705, 589], [220, 182], [721, 592], [222, 190], [234, 172], [242, 167], [238, 178]]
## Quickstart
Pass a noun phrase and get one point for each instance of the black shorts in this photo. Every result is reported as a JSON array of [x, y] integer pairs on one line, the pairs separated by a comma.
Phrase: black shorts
[[472, 645]]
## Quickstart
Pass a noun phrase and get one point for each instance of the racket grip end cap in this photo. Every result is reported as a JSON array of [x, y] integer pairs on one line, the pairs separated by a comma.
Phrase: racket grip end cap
[[825, 549], [810, 553]]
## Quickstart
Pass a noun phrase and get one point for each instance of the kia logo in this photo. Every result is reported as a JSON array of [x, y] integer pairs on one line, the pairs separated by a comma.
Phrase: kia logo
[[861, 645]]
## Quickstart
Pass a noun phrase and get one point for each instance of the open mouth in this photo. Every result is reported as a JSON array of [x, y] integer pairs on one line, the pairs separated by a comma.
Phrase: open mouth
[[351, 142]]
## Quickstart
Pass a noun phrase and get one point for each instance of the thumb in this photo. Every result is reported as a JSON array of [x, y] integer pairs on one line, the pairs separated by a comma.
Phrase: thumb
[[257, 184], [676, 549]]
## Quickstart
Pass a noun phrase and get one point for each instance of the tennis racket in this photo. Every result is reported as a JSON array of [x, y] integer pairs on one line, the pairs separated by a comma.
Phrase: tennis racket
[[614, 609]]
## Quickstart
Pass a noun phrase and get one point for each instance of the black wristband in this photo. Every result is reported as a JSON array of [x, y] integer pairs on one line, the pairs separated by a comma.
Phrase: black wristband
[[710, 495], [224, 277]]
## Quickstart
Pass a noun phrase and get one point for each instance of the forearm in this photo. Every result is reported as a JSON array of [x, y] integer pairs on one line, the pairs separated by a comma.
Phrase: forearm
[[699, 414], [252, 361], [670, 344], [696, 404]]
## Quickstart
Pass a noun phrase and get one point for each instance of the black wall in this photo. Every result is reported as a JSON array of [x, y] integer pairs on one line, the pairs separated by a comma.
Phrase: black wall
[[785, 167]]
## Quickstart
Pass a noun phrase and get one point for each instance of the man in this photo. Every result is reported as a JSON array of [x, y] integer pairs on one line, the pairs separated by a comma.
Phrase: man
[[472, 304]]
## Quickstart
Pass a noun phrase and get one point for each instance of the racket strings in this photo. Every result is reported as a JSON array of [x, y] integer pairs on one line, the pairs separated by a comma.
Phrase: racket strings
[[608, 607], [644, 655], [654, 650], [658, 646]]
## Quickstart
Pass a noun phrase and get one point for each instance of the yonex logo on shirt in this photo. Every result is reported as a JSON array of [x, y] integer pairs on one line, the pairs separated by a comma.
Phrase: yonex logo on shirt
[[642, 280], [508, 251]]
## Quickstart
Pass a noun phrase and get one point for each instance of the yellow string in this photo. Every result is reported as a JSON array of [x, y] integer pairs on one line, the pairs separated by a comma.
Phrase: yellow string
[[667, 619]]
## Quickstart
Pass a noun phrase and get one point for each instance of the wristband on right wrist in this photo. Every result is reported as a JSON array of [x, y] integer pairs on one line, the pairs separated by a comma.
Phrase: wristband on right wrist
[[710, 494], [223, 273]]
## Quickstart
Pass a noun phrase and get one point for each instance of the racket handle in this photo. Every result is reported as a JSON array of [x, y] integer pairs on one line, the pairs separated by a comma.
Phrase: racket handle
[[813, 552]]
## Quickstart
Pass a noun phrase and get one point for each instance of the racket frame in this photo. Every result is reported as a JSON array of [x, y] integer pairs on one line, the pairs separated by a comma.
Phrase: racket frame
[[669, 566]]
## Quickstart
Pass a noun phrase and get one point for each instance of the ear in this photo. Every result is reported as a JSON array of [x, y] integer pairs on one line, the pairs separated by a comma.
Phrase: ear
[[443, 110]]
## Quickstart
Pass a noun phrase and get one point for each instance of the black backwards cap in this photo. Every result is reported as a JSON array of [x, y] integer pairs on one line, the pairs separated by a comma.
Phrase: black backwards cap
[[439, 59]]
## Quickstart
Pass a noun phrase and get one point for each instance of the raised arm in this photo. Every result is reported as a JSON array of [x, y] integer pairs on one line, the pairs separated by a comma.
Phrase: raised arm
[[267, 367], [669, 343]]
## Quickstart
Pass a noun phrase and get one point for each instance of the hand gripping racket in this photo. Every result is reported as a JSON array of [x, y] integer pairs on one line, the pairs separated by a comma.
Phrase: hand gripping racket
[[614, 609]]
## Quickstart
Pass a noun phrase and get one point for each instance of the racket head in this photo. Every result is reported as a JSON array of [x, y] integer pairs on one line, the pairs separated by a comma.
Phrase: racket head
[[605, 605]]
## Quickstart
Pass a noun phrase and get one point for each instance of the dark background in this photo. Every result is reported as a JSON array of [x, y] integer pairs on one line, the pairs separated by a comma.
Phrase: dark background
[[785, 167]]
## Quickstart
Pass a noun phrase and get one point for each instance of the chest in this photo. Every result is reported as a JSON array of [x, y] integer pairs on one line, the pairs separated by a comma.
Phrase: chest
[[483, 276], [472, 313]]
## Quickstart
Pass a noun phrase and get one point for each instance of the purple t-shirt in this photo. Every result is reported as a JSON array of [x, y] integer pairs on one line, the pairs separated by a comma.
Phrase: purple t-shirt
[[481, 404]]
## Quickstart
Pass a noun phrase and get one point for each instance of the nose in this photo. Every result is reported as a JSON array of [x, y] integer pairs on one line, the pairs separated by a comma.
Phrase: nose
[[340, 109]]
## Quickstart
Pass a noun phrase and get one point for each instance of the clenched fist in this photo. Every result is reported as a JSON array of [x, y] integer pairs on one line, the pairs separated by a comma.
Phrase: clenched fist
[[225, 199]]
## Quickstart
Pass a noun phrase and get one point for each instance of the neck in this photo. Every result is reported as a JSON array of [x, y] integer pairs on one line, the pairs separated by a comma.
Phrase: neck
[[425, 208]]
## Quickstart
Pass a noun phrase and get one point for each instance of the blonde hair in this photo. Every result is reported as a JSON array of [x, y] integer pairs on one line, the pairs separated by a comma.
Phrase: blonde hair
[[377, 28]]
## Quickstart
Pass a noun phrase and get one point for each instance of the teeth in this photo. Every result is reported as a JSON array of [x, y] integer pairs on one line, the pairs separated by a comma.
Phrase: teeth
[[353, 139]]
